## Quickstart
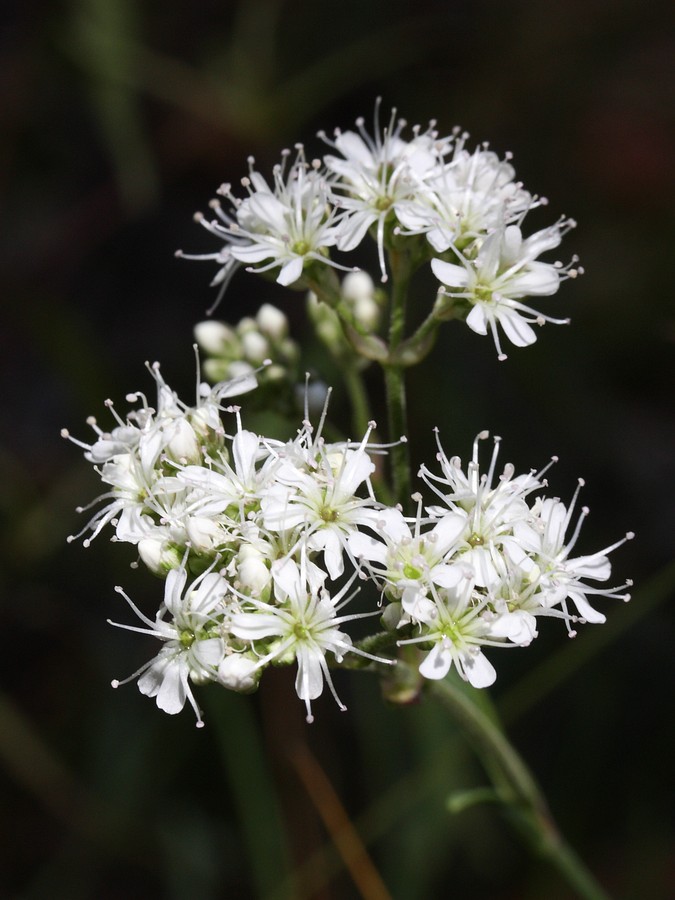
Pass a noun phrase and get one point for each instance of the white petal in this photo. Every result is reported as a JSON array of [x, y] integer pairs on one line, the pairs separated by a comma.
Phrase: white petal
[[173, 590], [489, 256], [244, 449], [256, 626], [538, 280], [352, 146], [269, 210], [286, 576], [366, 547], [171, 694], [597, 567], [437, 662], [209, 653], [585, 609], [477, 320], [309, 680], [515, 327], [449, 273], [447, 532], [352, 230], [254, 253], [479, 670]]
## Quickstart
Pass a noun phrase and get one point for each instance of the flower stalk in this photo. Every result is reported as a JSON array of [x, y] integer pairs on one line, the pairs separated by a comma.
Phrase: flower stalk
[[516, 786], [394, 377]]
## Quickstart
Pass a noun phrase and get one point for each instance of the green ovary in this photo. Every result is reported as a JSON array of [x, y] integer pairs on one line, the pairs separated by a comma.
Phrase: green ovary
[[300, 631], [383, 203], [483, 293], [186, 638]]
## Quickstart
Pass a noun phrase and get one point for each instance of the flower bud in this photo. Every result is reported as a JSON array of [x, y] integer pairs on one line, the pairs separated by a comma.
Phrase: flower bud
[[159, 555], [204, 534], [182, 443], [272, 322], [239, 673], [357, 286], [216, 338], [367, 313], [255, 347], [252, 571]]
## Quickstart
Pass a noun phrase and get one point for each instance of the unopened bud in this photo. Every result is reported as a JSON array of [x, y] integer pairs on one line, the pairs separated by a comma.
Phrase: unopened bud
[[216, 338]]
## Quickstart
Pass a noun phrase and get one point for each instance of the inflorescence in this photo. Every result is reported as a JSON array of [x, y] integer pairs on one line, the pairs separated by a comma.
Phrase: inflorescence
[[263, 543]]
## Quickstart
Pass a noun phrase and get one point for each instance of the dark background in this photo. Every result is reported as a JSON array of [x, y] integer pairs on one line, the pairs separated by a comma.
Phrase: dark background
[[119, 119]]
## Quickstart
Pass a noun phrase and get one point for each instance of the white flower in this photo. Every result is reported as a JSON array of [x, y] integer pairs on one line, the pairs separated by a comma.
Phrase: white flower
[[457, 625], [304, 627], [379, 175], [470, 195], [133, 457], [408, 562], [223, 485], [283, 227], [562, 576], [489, 510], [193, 646], [315, 491], [504, 270]]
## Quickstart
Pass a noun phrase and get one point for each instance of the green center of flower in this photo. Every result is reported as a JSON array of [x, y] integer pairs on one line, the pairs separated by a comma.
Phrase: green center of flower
[[301, 631], [476, 540], [186, 638], [483, 293], [329, 515], [383, 203], [410, 571], [301, 247]]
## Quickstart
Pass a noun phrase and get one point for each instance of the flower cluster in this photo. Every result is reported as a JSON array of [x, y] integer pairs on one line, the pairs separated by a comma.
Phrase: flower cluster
[[427, 196], [252, 536], [261, 526], [260, 540], [480, 567]]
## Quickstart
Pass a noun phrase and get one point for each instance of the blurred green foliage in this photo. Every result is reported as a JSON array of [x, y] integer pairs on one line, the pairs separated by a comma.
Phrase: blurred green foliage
[[119, 119]]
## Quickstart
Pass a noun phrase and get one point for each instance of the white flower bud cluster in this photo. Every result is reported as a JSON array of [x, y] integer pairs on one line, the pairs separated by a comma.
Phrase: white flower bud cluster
[[365, 303], [428, 196], [233, 351]]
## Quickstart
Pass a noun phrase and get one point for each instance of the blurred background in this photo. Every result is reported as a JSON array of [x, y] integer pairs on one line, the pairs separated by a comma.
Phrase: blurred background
[[119, 120]]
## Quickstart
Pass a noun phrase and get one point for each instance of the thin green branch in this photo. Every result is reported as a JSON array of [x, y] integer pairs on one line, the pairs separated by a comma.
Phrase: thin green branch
[[394, 377], [358, 397], [517, 787]]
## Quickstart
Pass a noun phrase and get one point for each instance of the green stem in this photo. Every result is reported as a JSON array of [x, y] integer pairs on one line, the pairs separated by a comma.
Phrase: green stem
[[394, 377], [359, 400], [413, 350], [399, 453], [514, 784], [517, 787]]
